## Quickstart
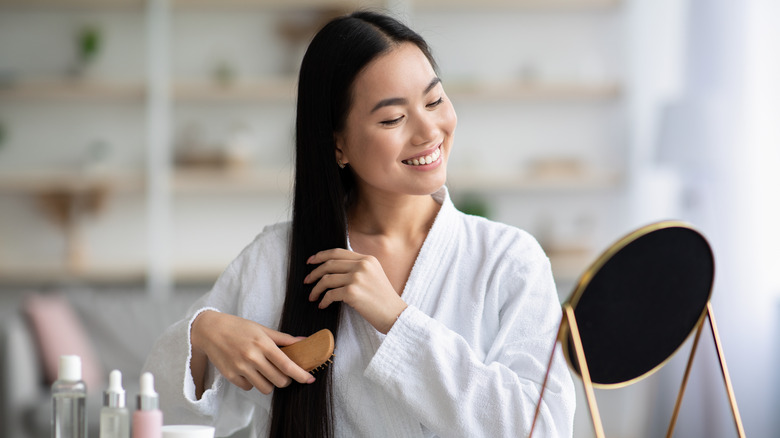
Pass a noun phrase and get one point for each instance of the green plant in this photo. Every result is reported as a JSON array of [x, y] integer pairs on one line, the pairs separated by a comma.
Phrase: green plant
[[474, 205], [88, 42]]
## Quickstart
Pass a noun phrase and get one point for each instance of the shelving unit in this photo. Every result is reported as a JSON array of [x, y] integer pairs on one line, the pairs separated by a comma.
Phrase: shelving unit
[[257, 88]]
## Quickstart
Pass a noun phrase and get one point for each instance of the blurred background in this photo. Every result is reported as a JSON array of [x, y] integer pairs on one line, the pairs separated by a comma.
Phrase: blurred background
[[143, 144]]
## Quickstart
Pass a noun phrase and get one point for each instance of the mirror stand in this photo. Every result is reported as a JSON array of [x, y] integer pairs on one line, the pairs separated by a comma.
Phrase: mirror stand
[[568, 328], [724, 372]]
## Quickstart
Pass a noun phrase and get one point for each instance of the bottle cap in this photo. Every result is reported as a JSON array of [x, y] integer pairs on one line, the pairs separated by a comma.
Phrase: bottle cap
[[70, 368], [114, 396], [147, 398]]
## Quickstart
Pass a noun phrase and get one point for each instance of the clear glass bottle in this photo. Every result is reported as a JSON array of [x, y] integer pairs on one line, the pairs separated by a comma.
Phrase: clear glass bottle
[[114, 416], [69, 400]]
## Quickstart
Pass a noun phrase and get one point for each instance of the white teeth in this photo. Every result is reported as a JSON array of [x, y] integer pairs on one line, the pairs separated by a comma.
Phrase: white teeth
[[428, 159]]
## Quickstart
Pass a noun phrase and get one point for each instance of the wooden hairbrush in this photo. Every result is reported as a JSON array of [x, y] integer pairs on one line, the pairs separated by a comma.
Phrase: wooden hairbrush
[[312, 353]]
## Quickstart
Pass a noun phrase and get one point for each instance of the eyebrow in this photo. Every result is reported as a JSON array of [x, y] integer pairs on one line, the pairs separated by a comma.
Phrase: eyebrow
[[400, 100]]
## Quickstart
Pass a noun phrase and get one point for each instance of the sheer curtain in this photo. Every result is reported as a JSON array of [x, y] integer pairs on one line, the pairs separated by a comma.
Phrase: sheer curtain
[[706, 117]]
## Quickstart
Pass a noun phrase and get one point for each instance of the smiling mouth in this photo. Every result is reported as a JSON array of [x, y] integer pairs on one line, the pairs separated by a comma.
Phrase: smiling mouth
[[425, 159]]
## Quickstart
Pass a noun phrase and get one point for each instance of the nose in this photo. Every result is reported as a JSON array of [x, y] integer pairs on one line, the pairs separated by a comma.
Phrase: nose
[[425, 128]]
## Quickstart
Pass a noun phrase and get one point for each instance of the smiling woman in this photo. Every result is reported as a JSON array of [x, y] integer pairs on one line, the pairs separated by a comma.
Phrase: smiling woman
[[448, 317]]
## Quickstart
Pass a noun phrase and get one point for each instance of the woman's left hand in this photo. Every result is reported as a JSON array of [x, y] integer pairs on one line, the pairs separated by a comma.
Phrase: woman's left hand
[[357, 280]]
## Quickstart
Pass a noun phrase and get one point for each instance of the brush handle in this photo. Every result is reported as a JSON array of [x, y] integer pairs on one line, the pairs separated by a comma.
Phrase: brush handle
[[312, 352]]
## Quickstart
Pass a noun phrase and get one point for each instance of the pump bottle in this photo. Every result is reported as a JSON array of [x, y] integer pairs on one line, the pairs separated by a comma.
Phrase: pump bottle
[[69, 400], [147, 419], [114, 417]]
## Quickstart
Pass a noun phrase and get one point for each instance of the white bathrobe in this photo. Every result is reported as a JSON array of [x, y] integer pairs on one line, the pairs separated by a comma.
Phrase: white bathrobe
[[465, 359]]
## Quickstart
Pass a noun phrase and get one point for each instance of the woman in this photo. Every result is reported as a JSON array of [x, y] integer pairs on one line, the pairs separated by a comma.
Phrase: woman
[[448, 319]]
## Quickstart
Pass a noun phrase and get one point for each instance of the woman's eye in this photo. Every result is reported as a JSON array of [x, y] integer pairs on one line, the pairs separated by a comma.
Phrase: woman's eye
[[392, 122], [436, 103]]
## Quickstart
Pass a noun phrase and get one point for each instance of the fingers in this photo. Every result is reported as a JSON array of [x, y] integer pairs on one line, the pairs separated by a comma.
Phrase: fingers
[[255, 379], [280, 362], [269, 372], [241, 382], [288, 368], [331, 296], [281, 339], [335, 253], [329, 281], [336, 270], [246, 378], [329, 267]]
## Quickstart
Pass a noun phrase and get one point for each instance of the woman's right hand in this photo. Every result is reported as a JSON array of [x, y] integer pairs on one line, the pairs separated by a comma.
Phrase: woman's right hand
[[245, 352]]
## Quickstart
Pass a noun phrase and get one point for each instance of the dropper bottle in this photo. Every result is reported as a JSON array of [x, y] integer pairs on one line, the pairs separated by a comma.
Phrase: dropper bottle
[[147, 419], [69, 399], [114, 417]]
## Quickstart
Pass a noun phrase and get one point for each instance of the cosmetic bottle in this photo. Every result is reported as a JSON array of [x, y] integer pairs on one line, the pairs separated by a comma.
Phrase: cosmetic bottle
[[69, 399], [114, 417], [147, 419]]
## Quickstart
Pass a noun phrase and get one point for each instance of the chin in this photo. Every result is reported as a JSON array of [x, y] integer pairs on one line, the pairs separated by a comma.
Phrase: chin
[[434, 185]]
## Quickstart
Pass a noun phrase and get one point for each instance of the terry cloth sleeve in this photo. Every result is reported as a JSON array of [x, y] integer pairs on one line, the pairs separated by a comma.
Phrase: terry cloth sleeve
[[222, 405], [434, 371]]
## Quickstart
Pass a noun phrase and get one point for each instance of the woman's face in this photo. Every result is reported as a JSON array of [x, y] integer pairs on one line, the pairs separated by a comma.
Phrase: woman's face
[[399, 129]]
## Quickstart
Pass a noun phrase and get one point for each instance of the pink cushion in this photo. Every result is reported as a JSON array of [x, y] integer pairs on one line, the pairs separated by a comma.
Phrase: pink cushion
[[58, 330]]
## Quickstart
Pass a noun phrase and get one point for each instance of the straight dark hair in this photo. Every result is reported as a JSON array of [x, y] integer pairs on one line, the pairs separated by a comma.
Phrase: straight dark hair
[[335, 56]]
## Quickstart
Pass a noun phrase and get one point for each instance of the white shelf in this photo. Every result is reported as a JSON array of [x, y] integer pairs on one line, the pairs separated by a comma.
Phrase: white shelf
[[69, 181], [59, 274], [220, 181], [25, 275], [280, 181], [281, 89], [519, 5], [74, 4], [568, 265], [73, 90], [277, 4], [547, 5], [185, 4], [205, 181], [504, 181], [198, 274], [565, 267], [518, 90]]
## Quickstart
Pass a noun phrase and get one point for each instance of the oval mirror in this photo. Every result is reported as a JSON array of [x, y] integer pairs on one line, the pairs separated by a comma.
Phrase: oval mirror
[[639, 302]]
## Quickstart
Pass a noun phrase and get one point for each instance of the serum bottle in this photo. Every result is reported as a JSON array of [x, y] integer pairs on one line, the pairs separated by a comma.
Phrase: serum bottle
[[69, 399], [147, 419], [114, 417]]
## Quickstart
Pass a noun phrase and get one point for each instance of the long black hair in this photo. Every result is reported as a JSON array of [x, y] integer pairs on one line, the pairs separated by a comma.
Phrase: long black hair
[[336, 54]]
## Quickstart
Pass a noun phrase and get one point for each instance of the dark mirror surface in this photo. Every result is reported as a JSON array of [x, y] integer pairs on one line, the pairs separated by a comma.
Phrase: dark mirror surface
[[640, 301]]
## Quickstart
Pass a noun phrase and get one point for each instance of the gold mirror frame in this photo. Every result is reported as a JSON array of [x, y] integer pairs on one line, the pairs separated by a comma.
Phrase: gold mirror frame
[[590, 273]]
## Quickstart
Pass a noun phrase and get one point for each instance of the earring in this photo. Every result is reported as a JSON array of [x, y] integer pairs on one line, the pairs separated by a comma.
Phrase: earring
[[341, 165]]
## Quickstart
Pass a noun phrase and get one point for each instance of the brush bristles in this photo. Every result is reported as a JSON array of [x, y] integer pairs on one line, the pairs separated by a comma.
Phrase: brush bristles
[[323, 365]]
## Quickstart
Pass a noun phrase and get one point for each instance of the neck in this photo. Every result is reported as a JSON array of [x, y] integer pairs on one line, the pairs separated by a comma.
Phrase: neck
[[391, 216]]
